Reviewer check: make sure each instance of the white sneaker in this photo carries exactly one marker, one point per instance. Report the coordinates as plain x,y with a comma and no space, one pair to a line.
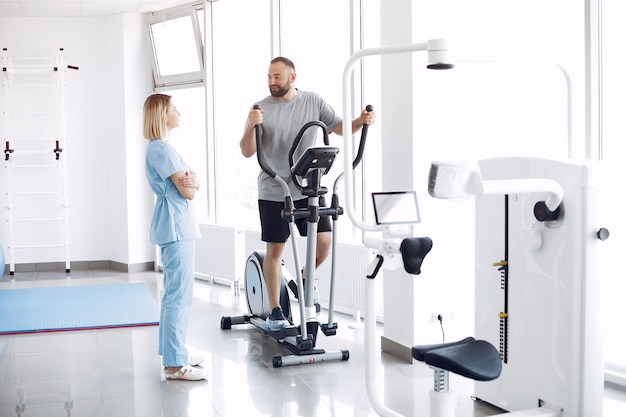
187,373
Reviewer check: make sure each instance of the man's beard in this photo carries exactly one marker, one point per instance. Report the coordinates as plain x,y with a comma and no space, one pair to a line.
281,91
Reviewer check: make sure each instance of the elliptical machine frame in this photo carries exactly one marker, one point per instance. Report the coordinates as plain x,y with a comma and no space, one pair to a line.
306,174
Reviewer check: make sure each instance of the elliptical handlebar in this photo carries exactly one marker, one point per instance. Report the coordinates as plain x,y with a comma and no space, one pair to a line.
298,139
260,157
269,171
359,154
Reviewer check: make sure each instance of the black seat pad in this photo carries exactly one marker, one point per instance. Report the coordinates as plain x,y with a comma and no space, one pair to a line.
420,351
474,359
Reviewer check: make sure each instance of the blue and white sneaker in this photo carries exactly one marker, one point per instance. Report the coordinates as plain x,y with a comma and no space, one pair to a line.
276,320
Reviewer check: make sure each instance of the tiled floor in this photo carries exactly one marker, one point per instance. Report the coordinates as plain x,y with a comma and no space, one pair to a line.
117,372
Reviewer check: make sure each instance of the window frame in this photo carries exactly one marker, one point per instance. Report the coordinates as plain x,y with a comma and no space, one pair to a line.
176,80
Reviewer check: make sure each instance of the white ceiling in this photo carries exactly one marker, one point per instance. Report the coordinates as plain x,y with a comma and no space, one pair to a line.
81,8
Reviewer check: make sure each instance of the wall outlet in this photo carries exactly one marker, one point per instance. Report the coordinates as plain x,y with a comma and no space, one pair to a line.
446,317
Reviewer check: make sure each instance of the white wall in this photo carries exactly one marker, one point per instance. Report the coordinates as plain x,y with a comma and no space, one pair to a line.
110,207
139,199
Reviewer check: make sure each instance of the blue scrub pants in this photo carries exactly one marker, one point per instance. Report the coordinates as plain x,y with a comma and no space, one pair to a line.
178,264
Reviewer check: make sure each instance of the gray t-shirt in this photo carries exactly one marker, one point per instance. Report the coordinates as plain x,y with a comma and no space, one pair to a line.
282,122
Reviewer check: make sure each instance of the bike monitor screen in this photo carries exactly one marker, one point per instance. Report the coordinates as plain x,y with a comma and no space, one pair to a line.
396,207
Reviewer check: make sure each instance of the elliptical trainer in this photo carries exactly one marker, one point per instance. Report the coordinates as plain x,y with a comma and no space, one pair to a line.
306,174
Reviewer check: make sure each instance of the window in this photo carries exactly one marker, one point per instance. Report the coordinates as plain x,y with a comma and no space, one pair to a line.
189,139
241,52
177,44
320,56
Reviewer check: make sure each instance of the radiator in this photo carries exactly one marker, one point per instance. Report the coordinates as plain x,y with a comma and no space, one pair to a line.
220,254
222,251
351,267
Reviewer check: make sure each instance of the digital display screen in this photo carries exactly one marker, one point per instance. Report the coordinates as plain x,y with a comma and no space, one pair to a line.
396,207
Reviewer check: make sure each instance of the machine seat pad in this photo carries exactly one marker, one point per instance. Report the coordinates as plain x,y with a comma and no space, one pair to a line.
419,352
477,359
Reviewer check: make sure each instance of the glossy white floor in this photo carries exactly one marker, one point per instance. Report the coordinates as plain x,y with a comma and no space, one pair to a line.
117,372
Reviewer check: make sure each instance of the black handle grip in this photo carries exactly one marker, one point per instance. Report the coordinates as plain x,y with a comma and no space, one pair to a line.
257,128
258,132
359,154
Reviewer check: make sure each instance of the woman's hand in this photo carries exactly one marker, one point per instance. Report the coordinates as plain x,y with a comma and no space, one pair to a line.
189,180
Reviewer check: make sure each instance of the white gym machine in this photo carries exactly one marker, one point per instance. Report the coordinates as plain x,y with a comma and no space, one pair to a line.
536,231
537,293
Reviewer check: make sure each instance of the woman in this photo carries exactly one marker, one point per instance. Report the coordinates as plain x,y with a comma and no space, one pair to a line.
174,229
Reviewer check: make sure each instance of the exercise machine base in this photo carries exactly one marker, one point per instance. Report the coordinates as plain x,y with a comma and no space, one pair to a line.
303,350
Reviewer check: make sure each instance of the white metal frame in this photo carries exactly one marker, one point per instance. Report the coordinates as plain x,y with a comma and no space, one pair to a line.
588,387
191,78
52,71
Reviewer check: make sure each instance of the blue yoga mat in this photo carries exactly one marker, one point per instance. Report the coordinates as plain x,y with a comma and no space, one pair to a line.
31,310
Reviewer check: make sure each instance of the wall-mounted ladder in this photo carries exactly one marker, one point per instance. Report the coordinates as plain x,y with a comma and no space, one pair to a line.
33,129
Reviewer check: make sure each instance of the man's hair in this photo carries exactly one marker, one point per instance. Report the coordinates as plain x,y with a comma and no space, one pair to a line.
288,62
154,109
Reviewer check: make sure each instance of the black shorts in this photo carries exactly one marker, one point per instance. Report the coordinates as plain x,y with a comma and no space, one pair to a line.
276,229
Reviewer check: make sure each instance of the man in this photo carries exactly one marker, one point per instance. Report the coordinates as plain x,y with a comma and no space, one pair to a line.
282,115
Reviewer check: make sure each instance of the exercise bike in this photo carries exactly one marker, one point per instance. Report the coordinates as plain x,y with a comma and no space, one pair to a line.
306,174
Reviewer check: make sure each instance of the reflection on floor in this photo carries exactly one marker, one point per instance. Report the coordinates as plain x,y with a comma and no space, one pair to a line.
117,372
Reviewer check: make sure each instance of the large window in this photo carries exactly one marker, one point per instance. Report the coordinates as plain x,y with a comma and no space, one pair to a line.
189,138
319,46
241,52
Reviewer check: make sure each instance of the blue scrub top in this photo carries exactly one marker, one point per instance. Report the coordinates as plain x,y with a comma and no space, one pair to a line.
173,217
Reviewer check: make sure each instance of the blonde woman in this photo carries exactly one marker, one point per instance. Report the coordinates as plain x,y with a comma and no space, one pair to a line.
174,229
